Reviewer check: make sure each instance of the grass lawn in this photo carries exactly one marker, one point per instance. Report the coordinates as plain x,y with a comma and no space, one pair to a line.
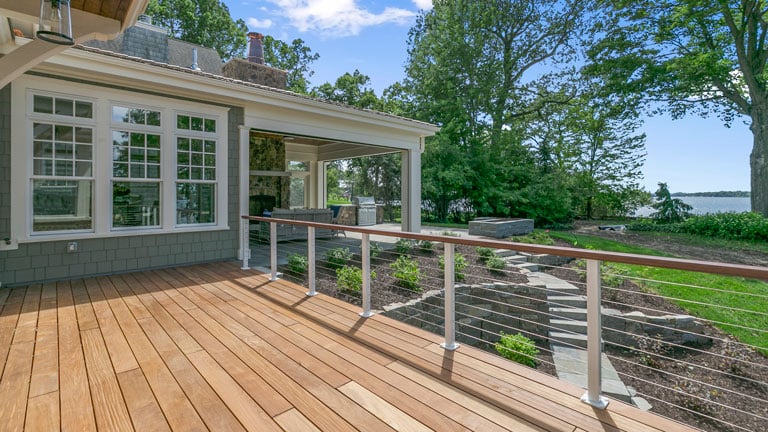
735,305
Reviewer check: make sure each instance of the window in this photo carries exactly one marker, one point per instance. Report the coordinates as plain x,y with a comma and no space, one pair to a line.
62,165
196,161
136,164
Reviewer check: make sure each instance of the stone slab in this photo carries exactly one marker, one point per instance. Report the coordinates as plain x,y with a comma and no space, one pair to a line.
500,227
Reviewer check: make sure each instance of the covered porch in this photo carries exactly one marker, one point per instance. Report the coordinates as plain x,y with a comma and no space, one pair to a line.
212,347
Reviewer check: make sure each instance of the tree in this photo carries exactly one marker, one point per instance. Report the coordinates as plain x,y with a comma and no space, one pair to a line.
470,70
351,89
202,22
700,56
294,58
668,209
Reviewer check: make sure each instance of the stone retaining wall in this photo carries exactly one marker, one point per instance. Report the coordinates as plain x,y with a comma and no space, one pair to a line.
624,328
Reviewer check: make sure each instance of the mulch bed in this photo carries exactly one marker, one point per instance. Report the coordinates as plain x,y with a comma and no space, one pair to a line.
735,381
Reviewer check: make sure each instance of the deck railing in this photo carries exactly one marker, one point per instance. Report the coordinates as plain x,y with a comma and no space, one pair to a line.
657,335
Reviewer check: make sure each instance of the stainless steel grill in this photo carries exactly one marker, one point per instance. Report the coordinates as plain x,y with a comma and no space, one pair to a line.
366,210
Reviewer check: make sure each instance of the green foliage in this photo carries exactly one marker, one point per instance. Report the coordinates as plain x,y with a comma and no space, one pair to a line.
350,279
337,257
404,246
485,253
425,245
668,209
517,348
728,226
297,263
536,237
202,22
375,249
459,264
294,58
496,262
407,273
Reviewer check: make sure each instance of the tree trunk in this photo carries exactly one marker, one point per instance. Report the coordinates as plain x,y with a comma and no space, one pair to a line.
758,162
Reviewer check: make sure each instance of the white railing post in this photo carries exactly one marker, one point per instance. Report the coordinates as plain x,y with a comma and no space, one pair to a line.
366,257
450,300
594,338
311,261
273,250
245,246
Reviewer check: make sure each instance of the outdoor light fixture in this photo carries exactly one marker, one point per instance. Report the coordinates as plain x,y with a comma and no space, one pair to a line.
55,22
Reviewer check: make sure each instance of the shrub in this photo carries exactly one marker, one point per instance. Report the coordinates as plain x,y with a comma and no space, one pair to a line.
485,253
337,257
459,264
425,245
297,263
407,273
536,237
496,263
404,246
517,348
350,279
376,249
450,234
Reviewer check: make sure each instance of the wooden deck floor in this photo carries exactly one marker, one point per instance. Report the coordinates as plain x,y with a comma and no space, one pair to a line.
215,348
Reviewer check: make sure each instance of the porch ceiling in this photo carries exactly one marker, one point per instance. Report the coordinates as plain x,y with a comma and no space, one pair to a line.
306,148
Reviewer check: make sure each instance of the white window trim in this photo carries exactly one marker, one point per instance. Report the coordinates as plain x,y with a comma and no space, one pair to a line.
103,99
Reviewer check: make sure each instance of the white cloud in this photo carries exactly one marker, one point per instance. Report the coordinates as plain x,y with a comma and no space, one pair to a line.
423,4
258,24
337,18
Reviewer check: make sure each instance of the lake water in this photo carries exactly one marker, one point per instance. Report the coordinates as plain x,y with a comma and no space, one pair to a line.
703,205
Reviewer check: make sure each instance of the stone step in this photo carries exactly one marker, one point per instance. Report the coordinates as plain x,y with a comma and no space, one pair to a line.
516,258
505,252
568,339
576,301
571,366
579,314
531,267
568,325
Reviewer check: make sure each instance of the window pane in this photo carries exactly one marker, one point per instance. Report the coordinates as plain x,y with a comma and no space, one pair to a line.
137,154
153,171
197,145
210,160
153,141
43,167
210,125
210,174
83,109
120,170
64,168
183,158
63,151
120,114
210,146
297,192
83,152
195,203
182,122
137,140
64,133
153,156
43,131
183,173
197,159
120,154
43,149
84,135
196,173
183,144
65,107
137,170
153,118
61,205
83,169
135,204
120,138
197,124
138,116
43,104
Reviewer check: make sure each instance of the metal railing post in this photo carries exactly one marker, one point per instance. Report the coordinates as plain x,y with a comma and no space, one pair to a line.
311,261
450,300
366,257
245,250
273,250
594,338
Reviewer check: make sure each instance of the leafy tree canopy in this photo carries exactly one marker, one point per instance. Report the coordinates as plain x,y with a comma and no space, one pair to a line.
203,22
294,58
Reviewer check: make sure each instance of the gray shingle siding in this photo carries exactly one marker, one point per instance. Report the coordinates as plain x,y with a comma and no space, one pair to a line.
46,261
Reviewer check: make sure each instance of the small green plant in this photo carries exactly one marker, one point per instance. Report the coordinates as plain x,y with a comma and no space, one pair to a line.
536,237
297,263
650,351
337,257
485,253
407,273
517,348
450,234
425,245
404,246
459,264
496,263
350,279
376,249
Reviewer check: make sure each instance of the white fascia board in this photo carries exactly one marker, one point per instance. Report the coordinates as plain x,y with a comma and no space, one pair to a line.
118,71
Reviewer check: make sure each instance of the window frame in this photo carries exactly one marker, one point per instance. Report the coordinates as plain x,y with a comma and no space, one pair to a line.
102,100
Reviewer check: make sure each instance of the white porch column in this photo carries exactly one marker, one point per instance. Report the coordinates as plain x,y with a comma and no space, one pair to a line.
244,189
410,198
318,175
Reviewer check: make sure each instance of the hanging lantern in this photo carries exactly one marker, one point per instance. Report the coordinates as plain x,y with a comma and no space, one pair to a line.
55,22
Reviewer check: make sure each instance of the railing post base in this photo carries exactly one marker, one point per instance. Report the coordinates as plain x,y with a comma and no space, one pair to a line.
452,347
366,314
601,402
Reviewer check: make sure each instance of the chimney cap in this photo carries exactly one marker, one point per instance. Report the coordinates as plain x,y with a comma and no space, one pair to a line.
255,35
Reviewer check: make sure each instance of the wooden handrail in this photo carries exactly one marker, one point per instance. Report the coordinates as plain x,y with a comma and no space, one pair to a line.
747,271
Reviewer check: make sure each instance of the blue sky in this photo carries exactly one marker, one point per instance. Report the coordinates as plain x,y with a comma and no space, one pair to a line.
690,155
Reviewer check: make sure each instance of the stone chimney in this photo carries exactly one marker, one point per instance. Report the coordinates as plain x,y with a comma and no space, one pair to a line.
255,48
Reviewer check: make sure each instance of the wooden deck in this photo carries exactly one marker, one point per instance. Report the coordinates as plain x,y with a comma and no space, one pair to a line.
215,348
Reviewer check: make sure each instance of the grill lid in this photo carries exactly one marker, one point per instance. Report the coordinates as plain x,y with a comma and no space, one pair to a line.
361,201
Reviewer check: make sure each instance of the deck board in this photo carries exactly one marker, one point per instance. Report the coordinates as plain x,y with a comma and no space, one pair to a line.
212,347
